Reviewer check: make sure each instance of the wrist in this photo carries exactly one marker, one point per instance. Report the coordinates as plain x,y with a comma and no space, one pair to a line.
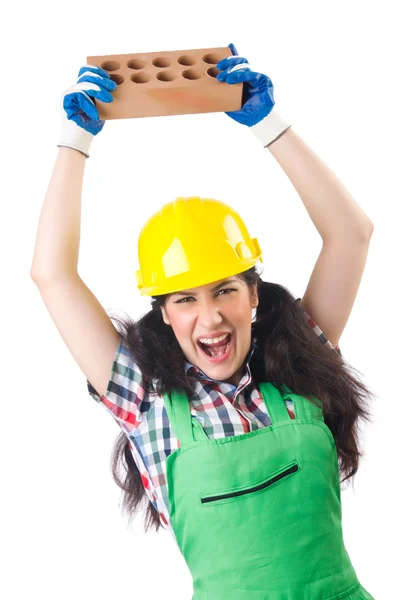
70,148
270,128
75,137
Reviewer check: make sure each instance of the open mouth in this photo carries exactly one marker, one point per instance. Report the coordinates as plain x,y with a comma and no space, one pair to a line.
218,354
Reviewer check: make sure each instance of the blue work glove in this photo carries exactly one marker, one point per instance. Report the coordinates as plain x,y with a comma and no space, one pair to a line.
257,109
79,115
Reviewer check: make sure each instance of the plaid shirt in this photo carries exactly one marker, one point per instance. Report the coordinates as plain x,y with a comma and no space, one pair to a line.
222,409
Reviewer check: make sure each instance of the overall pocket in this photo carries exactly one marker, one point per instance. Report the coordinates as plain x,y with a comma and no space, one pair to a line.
293,468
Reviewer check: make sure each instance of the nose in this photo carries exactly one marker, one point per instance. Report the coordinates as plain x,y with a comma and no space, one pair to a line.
208,315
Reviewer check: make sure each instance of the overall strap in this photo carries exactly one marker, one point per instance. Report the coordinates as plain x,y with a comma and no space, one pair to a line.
303,408
274,402
186,428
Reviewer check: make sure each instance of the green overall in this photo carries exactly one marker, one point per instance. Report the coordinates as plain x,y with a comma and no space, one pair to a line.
258,516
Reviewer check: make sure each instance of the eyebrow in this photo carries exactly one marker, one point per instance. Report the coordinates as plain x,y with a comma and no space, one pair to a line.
186,293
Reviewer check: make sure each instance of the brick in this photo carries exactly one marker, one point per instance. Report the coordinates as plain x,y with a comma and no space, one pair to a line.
167,83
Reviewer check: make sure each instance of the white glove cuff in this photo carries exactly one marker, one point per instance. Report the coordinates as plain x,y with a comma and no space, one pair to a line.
73,136
270,128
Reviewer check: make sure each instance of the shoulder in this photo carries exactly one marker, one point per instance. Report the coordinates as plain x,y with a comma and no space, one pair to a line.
320,334
128,395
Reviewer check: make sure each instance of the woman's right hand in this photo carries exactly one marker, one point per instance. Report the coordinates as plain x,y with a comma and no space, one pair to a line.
79,115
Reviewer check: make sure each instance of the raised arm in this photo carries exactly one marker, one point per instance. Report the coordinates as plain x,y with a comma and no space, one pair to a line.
82,322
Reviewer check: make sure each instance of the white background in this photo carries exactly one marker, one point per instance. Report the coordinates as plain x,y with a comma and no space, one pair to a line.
332,66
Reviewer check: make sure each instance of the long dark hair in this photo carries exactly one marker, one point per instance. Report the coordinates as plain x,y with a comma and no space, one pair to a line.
287,351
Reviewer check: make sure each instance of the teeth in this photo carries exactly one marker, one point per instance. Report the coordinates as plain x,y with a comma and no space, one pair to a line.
209,341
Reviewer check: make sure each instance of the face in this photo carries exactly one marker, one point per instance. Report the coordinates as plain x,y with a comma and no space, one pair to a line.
204,312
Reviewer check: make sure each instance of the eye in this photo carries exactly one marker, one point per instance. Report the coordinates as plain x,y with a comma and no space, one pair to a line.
182,301
227,290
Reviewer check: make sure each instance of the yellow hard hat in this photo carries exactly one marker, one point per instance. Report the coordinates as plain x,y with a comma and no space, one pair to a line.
191,242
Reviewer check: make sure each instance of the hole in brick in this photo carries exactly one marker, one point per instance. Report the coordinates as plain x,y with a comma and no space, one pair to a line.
136,63
110,65
212,58
165,76
186,60
192,74
140,78
161,62
213,72
119,79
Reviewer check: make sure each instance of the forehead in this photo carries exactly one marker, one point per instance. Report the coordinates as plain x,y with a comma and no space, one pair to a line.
208,287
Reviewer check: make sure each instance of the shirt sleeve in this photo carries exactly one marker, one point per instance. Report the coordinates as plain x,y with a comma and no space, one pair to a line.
125,396
320,334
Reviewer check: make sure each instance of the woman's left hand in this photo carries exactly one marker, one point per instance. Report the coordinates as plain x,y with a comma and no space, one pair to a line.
257,101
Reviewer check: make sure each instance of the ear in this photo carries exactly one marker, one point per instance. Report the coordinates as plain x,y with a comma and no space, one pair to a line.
165,316
255,299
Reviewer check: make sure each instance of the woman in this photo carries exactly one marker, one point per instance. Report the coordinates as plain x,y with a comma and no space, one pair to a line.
237,449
